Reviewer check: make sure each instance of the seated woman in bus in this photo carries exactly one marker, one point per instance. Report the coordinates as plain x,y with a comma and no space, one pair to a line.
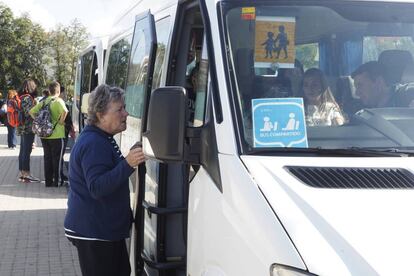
321,109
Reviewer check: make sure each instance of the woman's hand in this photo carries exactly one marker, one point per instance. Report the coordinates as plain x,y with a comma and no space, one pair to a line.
135,157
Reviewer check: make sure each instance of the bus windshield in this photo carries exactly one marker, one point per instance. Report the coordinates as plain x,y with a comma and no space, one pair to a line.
321,76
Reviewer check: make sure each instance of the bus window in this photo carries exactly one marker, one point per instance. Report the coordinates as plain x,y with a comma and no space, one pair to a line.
118,63
163,33
87,60
269,42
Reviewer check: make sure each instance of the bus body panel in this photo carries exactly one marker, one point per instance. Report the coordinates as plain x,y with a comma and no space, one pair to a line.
225,128
350,229
236,227
264,215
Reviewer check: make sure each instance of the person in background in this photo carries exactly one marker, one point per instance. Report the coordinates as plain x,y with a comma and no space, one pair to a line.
11,130
35,95
24,130
3,110
99,216
69,131
374,91
321,108
45,94
53,145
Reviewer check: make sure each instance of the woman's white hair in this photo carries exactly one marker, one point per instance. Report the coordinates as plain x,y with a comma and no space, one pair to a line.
100,99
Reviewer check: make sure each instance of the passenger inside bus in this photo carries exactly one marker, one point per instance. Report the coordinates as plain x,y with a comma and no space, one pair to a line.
193,62
321,108
375,92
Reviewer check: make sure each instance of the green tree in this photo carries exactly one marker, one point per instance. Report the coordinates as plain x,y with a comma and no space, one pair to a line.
27,50
6,42
66,42
308,55
30,47
23,46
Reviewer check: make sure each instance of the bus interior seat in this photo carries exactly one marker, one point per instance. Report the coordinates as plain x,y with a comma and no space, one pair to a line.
346,97
394,62
408,74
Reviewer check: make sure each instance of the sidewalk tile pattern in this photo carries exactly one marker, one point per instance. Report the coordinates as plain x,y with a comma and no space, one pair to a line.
32,240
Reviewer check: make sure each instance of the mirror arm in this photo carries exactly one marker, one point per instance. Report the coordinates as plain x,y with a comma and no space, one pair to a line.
192,146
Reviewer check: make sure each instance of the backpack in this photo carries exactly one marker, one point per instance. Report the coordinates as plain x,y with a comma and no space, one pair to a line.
42,123
14,112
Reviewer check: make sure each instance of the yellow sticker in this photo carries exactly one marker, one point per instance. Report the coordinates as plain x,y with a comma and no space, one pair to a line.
248,13
275,41
248,10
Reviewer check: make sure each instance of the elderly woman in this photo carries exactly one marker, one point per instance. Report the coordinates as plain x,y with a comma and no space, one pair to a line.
99,217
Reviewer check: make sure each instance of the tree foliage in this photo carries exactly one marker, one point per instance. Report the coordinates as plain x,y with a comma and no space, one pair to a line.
7,46
23,46
30,44
28,51
308,55
66,42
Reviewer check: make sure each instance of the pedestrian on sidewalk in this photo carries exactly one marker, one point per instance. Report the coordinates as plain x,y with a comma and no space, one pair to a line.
53,146
11,130
99,216
24,130
3,110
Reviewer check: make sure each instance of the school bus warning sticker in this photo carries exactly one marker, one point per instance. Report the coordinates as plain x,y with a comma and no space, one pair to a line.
274,42
279,122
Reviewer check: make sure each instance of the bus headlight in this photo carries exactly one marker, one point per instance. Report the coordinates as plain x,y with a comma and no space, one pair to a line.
283,270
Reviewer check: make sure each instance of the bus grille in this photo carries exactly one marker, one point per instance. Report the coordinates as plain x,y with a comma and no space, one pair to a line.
354,178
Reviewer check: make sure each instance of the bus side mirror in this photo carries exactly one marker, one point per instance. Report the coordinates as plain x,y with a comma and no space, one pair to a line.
164,138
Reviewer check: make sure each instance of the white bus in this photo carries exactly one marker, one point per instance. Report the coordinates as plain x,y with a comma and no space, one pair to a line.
242,178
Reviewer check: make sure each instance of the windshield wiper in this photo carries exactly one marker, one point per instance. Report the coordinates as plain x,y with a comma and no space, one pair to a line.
401,151
354,151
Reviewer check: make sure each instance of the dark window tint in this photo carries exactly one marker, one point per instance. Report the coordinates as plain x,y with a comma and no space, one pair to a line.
118,63
136,76
138,69
163,30
87,60
78,81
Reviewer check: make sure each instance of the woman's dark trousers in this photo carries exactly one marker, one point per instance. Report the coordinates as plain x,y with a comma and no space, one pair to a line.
26,143
11,136
52,154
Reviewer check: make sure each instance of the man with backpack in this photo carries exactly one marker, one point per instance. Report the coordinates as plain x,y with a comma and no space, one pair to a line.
49,124
24,129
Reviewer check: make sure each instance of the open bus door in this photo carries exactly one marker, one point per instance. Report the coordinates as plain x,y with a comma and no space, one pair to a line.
87,79
138,89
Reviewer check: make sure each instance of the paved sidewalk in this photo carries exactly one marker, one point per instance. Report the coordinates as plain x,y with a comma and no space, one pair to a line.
32,240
